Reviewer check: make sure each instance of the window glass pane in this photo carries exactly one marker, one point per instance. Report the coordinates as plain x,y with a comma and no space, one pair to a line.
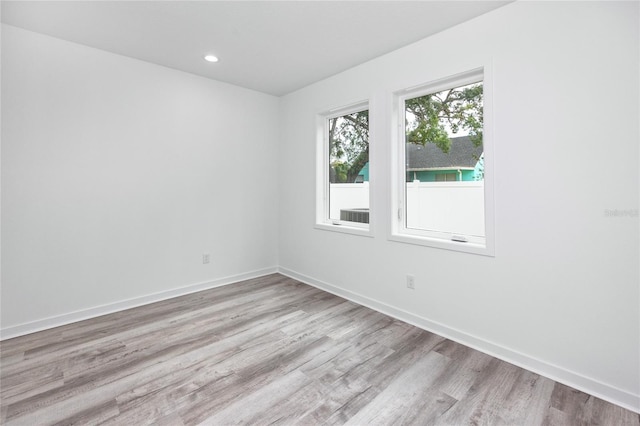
349,167
444,189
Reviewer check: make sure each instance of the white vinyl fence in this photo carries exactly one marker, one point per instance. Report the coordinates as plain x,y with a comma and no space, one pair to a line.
456,207
347,196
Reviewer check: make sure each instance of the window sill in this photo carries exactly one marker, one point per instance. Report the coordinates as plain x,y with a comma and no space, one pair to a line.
345,229
472,248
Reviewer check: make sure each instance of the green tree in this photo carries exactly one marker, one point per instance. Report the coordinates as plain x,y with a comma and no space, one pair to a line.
430,118
348,145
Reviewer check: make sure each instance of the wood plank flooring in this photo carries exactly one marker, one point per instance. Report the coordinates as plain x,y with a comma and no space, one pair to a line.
272,351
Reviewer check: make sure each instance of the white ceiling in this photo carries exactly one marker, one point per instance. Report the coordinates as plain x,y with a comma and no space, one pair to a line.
274,47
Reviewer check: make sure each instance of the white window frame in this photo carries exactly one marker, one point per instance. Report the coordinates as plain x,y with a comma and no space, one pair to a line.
323,221
399,231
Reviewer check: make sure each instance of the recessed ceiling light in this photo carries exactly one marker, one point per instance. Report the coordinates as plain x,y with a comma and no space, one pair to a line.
211,58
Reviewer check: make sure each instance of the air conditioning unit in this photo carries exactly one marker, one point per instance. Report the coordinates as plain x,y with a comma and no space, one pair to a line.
355,215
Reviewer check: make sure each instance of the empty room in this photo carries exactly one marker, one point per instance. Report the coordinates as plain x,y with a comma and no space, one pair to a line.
320,213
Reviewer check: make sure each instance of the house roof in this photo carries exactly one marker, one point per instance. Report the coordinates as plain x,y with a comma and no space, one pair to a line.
463,154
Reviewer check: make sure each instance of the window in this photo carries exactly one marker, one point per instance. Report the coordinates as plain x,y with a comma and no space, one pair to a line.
343,169
441,171
446,177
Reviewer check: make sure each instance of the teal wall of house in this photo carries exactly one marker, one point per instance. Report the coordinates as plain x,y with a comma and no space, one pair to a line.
425,176
364,173
430,176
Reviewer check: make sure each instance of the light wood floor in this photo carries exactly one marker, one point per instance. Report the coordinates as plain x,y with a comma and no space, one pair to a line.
272,351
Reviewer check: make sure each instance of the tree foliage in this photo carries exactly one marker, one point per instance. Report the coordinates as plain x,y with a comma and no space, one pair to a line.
348,145
430,118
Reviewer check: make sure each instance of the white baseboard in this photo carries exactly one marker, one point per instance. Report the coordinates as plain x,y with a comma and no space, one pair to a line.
83,314
559,374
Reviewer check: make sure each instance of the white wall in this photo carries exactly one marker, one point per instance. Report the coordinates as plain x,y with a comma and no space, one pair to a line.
561,294
111,170
115,180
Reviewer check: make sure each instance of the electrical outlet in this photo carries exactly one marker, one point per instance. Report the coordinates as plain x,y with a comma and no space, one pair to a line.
411,282
206,258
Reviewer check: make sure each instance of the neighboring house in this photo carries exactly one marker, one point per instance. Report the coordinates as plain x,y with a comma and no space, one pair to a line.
428,163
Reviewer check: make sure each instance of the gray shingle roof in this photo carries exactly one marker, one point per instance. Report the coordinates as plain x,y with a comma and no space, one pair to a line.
462,154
